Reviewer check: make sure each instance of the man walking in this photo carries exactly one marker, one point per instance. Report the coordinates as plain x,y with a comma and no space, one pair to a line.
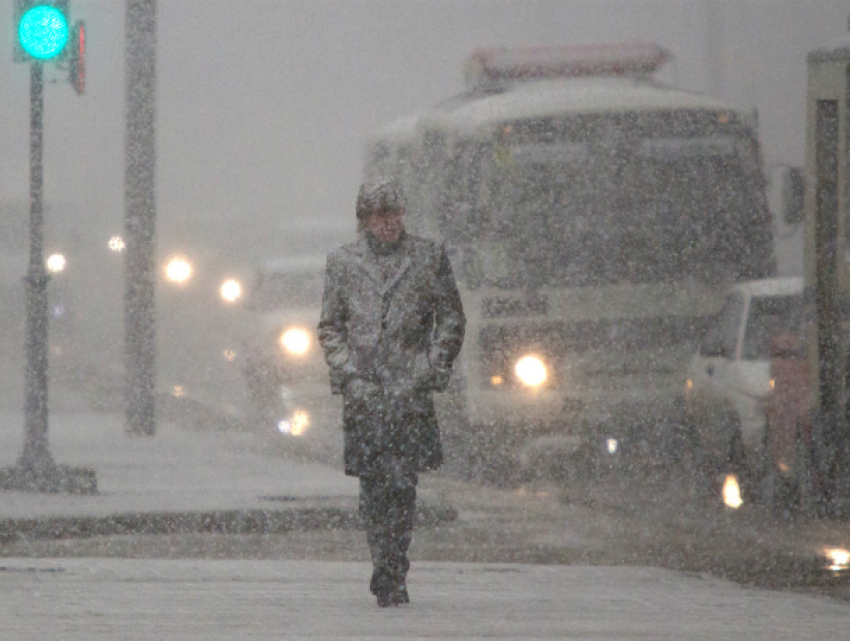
392,324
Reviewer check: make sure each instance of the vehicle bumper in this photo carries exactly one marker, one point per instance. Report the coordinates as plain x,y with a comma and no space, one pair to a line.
650,422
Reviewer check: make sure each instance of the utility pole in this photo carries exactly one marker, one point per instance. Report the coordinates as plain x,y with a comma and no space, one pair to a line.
140,220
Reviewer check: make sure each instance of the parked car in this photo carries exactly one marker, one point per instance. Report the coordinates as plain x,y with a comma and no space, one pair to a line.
729,378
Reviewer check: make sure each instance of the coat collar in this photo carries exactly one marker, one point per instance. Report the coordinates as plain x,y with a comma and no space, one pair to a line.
370,266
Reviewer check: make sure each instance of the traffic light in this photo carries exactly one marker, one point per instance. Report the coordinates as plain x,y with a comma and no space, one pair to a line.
42,30
77,64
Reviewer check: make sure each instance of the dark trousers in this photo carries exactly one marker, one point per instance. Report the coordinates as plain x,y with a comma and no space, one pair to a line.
387,506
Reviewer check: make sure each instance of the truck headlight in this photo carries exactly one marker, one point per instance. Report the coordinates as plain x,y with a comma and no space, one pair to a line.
531,371
296,341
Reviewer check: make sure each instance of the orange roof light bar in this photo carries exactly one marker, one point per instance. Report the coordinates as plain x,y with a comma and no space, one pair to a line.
528,63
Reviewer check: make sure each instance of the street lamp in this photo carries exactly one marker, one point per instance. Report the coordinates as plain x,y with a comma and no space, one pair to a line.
116,244
56,263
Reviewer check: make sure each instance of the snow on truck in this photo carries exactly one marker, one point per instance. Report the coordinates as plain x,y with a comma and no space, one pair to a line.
595,220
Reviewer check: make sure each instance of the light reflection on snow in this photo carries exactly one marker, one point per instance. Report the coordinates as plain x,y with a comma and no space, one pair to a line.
296,425
732,492
839,559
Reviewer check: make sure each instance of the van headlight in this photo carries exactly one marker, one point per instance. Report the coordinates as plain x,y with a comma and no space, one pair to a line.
230,290
296,341
531,371
296,424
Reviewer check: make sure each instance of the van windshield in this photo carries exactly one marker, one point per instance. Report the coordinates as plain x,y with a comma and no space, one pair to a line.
768,317
274,291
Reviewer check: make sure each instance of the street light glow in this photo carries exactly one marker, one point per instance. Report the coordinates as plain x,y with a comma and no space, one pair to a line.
178,270
55,263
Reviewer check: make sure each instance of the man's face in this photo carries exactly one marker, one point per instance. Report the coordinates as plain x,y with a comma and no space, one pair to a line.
386,225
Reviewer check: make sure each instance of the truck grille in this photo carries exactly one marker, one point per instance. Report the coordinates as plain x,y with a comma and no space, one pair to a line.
502,345
581,336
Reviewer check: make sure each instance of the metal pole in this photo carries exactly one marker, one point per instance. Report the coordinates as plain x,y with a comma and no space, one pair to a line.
140,218
36,461
714,47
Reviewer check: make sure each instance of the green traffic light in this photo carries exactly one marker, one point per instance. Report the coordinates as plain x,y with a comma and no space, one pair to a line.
43,32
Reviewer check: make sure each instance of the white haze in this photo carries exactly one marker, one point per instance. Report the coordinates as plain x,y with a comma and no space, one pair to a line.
263,107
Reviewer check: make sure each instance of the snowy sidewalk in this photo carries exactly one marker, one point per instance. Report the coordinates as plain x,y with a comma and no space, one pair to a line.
177,469
98,599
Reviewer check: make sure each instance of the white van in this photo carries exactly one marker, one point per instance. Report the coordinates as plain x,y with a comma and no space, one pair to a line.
729,377
285,373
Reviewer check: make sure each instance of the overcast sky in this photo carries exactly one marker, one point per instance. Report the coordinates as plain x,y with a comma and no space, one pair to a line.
263,105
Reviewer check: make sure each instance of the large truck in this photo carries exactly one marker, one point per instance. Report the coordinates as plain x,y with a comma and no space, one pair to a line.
595,219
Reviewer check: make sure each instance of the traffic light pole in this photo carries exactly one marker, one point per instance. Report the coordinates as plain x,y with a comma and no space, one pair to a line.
36,460
42,35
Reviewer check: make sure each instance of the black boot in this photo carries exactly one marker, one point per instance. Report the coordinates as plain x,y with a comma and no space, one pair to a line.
377,578
399,596
398,565
385,588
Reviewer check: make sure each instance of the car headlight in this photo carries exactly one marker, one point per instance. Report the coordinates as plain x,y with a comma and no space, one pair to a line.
296,341
531,371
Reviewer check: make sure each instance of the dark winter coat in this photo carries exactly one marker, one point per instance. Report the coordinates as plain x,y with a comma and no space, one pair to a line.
390,344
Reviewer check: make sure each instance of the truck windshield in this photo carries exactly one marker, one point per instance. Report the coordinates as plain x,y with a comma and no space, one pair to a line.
659,212
642,198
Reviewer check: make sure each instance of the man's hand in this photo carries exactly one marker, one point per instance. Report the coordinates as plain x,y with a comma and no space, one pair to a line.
362,389
418,379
